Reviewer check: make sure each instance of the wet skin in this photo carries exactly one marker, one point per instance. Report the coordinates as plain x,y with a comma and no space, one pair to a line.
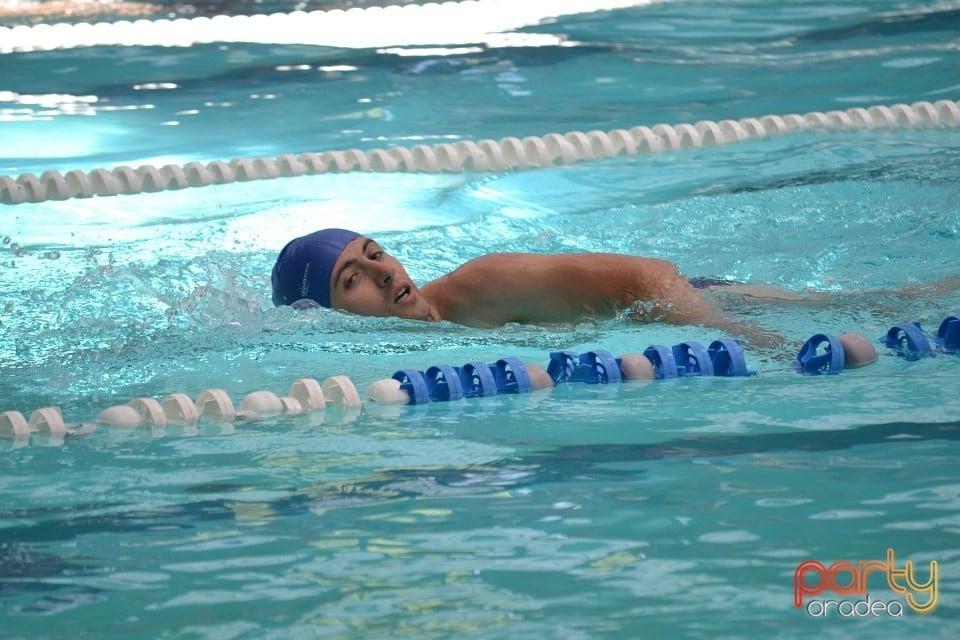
495,289
500,288
370,282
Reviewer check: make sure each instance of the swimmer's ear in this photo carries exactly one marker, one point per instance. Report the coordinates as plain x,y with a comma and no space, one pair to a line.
305,303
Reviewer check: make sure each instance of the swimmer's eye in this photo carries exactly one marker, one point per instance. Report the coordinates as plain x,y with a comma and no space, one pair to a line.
376,255
350,281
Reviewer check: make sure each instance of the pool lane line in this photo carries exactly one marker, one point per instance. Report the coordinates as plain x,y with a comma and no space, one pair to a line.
426,25
506,154
821,354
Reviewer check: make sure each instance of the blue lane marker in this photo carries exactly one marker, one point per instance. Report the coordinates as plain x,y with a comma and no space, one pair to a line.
692,359
948,335
821,354
443,383
728,359
476,379
511,376
664,364
597,367
812,361
413,382
563,365
592,367
908,341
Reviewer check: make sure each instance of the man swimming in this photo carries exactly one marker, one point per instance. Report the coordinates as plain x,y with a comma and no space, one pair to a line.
341,269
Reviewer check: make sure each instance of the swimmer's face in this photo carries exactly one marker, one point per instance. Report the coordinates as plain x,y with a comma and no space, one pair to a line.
370,282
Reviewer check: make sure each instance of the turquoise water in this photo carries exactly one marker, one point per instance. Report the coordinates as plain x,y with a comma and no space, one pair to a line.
671,509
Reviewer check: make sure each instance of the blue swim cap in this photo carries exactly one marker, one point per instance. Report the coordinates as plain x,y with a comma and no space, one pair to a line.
304,266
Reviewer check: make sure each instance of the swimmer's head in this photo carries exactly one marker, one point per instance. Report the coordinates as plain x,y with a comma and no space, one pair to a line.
304,268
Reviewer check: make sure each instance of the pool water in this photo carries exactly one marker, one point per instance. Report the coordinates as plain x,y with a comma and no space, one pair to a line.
676,508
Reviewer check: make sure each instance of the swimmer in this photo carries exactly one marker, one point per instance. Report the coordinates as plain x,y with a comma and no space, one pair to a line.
341,269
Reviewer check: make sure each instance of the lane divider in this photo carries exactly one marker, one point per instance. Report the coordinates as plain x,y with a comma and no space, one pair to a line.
431,24
509,153
822,354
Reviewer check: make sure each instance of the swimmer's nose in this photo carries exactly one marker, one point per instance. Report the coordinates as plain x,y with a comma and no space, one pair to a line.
384,275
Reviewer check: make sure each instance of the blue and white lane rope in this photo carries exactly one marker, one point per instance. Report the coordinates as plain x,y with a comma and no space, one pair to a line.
825,354
821,354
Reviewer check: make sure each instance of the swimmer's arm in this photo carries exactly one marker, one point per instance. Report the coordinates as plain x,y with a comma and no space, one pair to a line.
500,288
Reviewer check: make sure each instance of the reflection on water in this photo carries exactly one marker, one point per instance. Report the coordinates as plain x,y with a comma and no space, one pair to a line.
593,462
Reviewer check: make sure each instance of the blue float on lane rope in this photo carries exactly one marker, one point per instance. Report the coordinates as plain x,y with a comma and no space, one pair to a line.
661,357
948,335
592,367
692,359
908,341
511,376
413,382
476,379
562,366
443,383
728,358
812,361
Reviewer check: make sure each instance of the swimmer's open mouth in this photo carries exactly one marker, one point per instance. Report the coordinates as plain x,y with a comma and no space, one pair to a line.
402,295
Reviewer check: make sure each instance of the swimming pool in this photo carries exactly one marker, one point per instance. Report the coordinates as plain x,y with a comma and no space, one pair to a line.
678,508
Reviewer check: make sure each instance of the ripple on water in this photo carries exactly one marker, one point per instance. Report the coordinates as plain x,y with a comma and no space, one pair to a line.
845,514
729,537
